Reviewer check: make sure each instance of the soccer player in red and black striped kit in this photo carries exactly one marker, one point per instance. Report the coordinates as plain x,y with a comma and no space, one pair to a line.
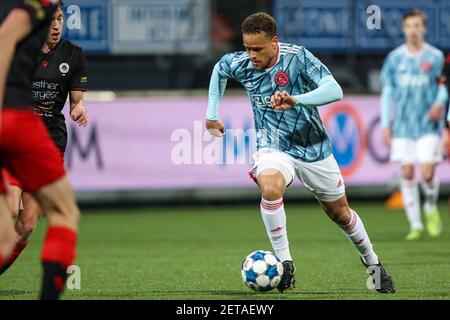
62,71
26,149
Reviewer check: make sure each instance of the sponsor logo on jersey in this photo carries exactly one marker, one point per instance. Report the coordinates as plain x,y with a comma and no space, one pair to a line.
64,68
45,64
347,133
261,101
281,79
45,90
402,67
409,80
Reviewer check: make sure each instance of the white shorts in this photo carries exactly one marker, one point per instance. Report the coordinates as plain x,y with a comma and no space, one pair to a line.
323,178
426,149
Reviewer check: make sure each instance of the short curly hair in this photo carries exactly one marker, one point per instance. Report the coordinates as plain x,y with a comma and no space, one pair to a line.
260,22
415,13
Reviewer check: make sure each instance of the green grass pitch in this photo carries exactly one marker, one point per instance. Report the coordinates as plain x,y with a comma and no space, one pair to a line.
196,253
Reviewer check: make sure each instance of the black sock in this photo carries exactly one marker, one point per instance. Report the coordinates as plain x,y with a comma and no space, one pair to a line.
53,281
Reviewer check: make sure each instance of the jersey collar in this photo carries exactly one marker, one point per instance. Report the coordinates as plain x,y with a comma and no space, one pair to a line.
417,54
51,51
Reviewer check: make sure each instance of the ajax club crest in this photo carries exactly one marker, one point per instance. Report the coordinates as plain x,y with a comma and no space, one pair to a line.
281,79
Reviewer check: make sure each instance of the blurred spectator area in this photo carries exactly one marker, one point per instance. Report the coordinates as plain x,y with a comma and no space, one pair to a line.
356,70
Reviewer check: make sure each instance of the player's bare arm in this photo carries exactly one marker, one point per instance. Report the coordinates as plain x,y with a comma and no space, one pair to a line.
387,135
446,138
436,112
78,111
15,27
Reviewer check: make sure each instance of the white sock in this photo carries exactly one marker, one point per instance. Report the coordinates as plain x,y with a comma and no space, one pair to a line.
431,191
357,235
274,219
411,199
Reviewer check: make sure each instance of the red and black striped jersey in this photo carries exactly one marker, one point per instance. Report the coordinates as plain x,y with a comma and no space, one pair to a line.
23,66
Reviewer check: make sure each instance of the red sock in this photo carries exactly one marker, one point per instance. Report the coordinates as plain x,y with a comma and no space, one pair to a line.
59,246
16,252
57,254
14,255
1,260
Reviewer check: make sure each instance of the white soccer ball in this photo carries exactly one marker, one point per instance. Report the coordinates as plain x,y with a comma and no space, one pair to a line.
261,271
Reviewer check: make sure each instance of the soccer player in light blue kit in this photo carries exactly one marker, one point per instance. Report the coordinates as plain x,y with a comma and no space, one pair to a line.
411,80
285,84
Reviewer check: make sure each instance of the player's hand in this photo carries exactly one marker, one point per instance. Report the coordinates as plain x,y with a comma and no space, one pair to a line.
387,136
79,115
215,128
446,139
435,113
282,100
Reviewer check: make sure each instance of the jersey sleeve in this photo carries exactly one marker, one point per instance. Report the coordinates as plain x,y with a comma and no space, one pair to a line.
328,91
40,11
226,68
387,73
311,67
387,85
446,74
438,66
79,79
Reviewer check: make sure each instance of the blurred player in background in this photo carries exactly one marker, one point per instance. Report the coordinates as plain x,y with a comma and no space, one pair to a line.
411,79
26,149
285,84
61,70
447,129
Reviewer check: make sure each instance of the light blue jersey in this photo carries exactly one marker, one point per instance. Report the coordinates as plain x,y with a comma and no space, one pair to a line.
411,83
297,131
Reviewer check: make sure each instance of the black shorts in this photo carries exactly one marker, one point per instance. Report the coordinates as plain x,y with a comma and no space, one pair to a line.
59,137
58,132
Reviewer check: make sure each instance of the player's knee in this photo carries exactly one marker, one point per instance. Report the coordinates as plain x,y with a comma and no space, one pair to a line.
427,176
75,215
72,212
339,214
58,199
68,209
272,186
271,192
408,174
